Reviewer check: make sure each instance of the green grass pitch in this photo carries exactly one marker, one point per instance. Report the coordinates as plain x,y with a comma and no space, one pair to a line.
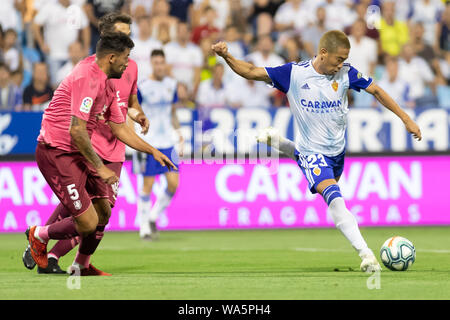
250,264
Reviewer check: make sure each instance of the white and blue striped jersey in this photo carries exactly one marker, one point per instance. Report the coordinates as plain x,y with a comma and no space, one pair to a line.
156,99
319,103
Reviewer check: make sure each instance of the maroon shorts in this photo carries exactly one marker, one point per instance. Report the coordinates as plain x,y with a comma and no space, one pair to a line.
66,173
99,189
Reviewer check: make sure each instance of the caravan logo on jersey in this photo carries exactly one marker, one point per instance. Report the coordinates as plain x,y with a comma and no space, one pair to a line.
320,106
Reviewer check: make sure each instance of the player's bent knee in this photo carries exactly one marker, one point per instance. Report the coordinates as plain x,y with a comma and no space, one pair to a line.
87,222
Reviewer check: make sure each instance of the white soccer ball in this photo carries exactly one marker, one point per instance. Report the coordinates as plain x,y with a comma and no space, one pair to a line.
398,253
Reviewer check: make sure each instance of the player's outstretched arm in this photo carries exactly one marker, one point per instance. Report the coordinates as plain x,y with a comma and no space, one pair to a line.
242,68
131,139
81,139
136,113
390,104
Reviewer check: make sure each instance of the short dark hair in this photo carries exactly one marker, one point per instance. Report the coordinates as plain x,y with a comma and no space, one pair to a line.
334,39
113,42
107,22
157,52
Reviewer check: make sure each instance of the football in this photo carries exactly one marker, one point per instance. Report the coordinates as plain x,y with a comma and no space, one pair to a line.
398,253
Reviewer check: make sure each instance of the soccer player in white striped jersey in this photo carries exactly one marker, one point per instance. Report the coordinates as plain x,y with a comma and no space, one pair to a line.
157,96
317,94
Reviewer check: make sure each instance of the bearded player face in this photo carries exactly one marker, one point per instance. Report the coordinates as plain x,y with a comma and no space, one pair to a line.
118,64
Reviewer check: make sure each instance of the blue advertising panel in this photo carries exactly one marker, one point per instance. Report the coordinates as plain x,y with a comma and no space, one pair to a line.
232,131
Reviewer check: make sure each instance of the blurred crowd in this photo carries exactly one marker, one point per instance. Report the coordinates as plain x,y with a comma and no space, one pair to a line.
404,45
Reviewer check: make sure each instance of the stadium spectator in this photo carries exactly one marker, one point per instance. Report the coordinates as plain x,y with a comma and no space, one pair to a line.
11,54
144,44
404,9
393,33
239,12
428,13
141,7
361,11
185,59
292,15
94,10
160,19
291,49
181,9
163,34
339,15
221,8
444,63
214,93
10,14
207,28
416,72
209,59
76,53
17,79
396,87
265,56
262,8
184,99
60,30
312,33
259,92
442,41
10,94
264,25
364,53
38,94
234,39
425,50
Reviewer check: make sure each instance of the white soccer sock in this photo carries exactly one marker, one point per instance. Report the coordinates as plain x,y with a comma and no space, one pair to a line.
143,206
347,224
287,147
161,204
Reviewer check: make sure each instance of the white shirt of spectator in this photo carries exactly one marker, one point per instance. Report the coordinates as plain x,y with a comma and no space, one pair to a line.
287,14
222,8
259,60
428,14
247,95
61,27
210,97
9,16
416,73
141,54
399,89
403,9
183,61
338,16
12,59
147,4
362,54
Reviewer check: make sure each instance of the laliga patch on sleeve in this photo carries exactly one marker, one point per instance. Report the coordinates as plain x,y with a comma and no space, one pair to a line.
86,105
